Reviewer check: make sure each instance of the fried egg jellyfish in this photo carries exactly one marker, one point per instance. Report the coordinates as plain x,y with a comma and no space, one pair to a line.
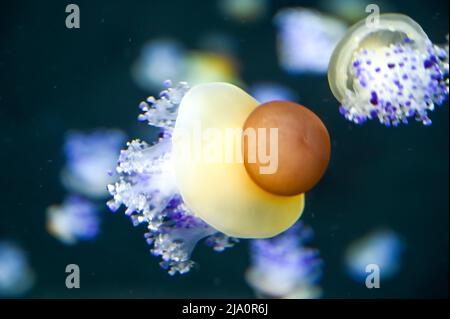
76,219
388,71
306,39
16,275
283,267
183,200
90,159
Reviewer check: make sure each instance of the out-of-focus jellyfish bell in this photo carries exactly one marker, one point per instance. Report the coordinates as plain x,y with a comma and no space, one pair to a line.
16,275
382,248
159,60
282,267
91,157
206,66
163,59
75,220
247,10
306,39
388,71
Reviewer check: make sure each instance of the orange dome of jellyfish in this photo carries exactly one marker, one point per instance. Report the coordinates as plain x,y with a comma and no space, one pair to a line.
303,147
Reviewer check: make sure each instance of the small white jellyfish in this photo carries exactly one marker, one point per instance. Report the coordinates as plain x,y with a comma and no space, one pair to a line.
306,39
16,275
76,219
382,248
283,267
388,71
266,92
90,159
159,60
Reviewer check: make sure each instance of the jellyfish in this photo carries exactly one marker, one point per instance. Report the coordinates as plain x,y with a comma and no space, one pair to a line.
163,59
159,59
76,219
267,92
209,66
244,10
389,71
306,39
91,157
283,267
382,247
184,192
16,275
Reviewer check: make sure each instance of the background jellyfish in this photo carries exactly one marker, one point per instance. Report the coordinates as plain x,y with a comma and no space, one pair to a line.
16,275
282,267
159,60
244,10
90,159
382,247
147,189
392,74
163,59
306,39
266,92
76,219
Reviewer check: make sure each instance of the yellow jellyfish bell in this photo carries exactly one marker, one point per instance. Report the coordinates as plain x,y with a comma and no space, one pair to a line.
209,169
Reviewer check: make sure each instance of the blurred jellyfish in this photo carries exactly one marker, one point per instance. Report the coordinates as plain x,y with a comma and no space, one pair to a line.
282,267
146,187
249,10
160,59
306,39
16,275
265,92
388,71
383,248
91,157
76,219
167,59
204,67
